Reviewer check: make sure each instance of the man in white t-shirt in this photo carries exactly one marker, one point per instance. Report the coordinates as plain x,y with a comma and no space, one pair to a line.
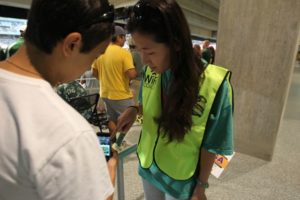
47,149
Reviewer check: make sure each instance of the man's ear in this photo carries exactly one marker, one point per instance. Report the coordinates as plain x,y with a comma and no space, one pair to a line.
71,44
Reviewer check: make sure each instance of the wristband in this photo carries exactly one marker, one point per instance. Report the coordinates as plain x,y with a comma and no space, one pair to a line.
136,107
118,144
204,185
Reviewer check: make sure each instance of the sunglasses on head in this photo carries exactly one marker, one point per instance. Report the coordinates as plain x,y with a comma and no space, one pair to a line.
142,11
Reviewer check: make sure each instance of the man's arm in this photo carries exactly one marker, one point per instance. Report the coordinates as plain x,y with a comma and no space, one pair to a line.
129,67
131,73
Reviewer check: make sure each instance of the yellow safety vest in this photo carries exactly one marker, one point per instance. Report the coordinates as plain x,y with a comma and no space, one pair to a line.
176,159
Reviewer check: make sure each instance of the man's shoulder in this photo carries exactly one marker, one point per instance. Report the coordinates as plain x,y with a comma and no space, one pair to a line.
52,122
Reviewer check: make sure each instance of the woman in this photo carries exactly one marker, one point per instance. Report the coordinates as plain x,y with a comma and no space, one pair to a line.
187,110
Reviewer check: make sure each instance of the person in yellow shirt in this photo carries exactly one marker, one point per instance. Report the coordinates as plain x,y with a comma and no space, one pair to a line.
115,69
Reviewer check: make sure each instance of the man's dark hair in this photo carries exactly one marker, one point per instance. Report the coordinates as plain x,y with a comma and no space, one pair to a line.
114,38
50,21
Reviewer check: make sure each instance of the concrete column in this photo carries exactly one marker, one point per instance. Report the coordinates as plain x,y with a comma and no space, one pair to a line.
258,40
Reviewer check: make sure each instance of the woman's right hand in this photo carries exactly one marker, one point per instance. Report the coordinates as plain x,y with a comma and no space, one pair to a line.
126,119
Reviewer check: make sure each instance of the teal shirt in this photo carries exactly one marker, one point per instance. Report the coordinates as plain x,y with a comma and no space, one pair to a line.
218,138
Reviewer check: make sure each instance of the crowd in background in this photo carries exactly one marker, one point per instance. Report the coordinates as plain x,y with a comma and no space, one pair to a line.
206,53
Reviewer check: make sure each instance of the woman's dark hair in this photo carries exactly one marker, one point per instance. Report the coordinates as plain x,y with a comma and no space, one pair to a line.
50,21
165,21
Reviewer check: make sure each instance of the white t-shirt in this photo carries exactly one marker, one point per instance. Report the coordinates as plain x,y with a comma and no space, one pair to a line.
47,150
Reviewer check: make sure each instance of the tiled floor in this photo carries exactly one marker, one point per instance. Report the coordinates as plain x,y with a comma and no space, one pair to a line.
248,178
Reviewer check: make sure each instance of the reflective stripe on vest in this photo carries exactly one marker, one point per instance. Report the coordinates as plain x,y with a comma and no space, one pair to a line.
176,159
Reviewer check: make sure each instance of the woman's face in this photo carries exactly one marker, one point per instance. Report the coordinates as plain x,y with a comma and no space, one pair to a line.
155,55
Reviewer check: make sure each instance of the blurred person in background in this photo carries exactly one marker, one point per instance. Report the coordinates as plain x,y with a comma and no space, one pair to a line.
13,48
206,53
212,51
114,69
198,53
71,90
197,50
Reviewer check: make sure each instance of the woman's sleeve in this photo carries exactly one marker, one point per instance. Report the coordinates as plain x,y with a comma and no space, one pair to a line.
218,137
